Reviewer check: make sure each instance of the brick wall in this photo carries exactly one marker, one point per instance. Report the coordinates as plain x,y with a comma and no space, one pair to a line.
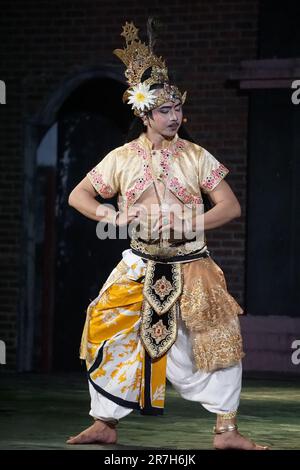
44,41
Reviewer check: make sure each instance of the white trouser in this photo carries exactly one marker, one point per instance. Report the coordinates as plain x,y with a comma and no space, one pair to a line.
218,391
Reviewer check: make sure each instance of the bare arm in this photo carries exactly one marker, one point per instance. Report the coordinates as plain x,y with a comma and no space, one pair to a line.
82,198
226,206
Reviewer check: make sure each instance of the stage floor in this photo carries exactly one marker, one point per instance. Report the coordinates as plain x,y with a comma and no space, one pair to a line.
42,411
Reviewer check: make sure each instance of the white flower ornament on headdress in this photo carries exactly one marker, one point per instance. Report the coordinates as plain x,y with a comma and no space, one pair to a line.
141,97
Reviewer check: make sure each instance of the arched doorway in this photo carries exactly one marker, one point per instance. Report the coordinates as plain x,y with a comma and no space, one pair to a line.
91,122
64,262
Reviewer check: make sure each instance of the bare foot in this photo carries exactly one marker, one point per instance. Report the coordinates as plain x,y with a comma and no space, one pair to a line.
98,433
235,440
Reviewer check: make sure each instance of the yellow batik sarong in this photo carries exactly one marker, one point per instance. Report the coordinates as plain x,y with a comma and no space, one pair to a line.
117,364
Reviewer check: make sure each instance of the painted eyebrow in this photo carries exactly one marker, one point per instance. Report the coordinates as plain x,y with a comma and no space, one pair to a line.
169,107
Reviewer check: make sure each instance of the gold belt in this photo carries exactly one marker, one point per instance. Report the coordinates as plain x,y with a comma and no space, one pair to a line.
163,250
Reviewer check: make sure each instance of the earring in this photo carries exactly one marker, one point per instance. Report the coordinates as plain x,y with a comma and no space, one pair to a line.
184,119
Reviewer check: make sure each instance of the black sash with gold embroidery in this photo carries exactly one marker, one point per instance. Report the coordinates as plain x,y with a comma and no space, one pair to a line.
162,288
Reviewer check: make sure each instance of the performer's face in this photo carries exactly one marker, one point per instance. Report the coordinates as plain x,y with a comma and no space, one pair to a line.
166,119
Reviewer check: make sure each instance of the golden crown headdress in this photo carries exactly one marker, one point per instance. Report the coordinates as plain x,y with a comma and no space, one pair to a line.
138,57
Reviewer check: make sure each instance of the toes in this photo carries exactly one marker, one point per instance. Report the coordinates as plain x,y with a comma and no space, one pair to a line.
72,440
258,447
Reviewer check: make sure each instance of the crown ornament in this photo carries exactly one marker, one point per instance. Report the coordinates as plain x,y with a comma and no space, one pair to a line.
138,58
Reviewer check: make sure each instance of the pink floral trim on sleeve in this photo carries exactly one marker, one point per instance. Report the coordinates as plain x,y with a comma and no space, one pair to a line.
211,181
105,190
